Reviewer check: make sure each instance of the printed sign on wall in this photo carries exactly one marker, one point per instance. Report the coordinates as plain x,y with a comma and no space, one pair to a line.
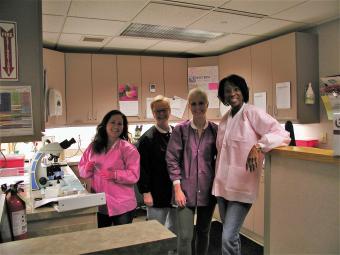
8,51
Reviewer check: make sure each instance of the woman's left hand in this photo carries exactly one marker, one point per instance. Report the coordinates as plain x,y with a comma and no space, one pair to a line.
107,174
253,159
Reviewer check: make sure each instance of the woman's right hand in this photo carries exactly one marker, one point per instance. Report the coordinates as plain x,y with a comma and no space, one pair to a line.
148,200
90,166
179,196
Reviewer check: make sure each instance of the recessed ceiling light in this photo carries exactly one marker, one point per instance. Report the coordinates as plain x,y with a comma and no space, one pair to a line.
170,33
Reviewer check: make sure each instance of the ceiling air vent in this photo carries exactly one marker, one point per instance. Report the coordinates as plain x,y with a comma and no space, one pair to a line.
93,39
170,33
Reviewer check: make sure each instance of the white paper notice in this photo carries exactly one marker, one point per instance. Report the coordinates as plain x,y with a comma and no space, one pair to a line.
129,108
283,95
260,100
178,105
149,114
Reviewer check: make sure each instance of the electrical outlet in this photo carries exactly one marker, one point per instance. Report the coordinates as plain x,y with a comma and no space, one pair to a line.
323,137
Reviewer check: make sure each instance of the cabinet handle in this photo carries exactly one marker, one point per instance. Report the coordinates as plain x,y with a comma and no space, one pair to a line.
275,110
95,115
88,115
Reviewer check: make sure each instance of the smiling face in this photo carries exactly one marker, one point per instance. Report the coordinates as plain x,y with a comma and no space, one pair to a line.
198,105
233,96
161,113
114,127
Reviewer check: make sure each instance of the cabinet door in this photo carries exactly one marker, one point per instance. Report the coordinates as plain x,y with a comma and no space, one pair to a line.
284,70
152,73
176,81
129,72
78,88
54,65
237,62
261,72
104,85
212,113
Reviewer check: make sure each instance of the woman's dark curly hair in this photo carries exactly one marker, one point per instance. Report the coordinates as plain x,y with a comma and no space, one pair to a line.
236,80
100,140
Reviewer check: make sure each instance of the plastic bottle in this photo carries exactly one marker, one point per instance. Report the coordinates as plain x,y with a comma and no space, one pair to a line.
309,97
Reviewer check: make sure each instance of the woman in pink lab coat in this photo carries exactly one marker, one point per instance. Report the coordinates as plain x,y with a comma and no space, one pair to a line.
244,134
112,164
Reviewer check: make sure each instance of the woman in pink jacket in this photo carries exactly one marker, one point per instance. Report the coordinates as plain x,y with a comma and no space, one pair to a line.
244,134
112,163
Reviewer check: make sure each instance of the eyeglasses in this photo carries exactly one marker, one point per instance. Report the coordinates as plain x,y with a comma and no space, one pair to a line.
200,103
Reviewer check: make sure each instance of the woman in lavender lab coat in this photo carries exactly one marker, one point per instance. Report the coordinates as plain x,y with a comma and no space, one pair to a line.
244,133
190,158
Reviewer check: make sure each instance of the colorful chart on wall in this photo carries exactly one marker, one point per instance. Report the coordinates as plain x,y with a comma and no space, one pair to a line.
8,51
16,116
206,78
128,99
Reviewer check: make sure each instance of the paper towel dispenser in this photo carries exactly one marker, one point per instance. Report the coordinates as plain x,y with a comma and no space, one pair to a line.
55,103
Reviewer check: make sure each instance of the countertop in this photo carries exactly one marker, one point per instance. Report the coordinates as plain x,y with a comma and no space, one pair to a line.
147,237
307,153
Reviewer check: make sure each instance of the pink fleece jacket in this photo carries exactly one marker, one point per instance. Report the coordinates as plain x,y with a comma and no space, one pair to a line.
122,160
235,138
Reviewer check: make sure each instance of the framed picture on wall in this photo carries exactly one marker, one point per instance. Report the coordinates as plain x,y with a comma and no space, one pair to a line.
8,51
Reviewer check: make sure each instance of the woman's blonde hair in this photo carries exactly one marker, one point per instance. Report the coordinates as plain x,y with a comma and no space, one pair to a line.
197,92
159,98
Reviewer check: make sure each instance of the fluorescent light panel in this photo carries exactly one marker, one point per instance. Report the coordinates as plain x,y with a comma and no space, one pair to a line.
170,33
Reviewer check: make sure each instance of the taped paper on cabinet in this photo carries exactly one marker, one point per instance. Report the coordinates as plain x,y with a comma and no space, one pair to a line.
283,95
260,100
178,105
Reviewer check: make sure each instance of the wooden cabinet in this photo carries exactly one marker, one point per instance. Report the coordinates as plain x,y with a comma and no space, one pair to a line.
212,113
129,72
295,60
54,67
104,85
91,87
261,72
237,62
176,81
152,73
78,88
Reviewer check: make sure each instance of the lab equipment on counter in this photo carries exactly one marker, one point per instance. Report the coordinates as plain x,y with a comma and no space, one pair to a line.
54,181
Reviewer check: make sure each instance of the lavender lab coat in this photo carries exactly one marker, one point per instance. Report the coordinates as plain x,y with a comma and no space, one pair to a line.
191,160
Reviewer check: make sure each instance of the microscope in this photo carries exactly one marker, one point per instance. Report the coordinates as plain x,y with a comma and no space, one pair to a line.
46,170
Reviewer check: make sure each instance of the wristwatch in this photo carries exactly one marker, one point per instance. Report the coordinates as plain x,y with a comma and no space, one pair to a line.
258,147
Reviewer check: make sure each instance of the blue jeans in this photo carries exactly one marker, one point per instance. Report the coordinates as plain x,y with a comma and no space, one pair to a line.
232,215
185,219
166,216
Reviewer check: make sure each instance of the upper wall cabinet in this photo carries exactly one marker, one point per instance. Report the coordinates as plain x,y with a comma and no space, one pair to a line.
129,73
176,81
91,87
237,62
78,88
152,81
295,60
54,66
104,85
261,72
212,113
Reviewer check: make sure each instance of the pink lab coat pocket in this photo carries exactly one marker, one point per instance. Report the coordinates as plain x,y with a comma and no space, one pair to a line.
240,180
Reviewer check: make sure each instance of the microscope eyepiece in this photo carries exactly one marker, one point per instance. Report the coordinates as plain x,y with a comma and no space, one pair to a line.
67,143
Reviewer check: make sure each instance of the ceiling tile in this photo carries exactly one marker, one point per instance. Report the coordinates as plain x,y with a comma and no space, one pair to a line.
75,41
168,15
55,7
50,39
222,44
172,46
92,26
223,22
266,7
130,43
313,11
270,26
122,10
52,23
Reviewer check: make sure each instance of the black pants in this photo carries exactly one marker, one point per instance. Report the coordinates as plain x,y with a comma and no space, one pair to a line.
107,221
